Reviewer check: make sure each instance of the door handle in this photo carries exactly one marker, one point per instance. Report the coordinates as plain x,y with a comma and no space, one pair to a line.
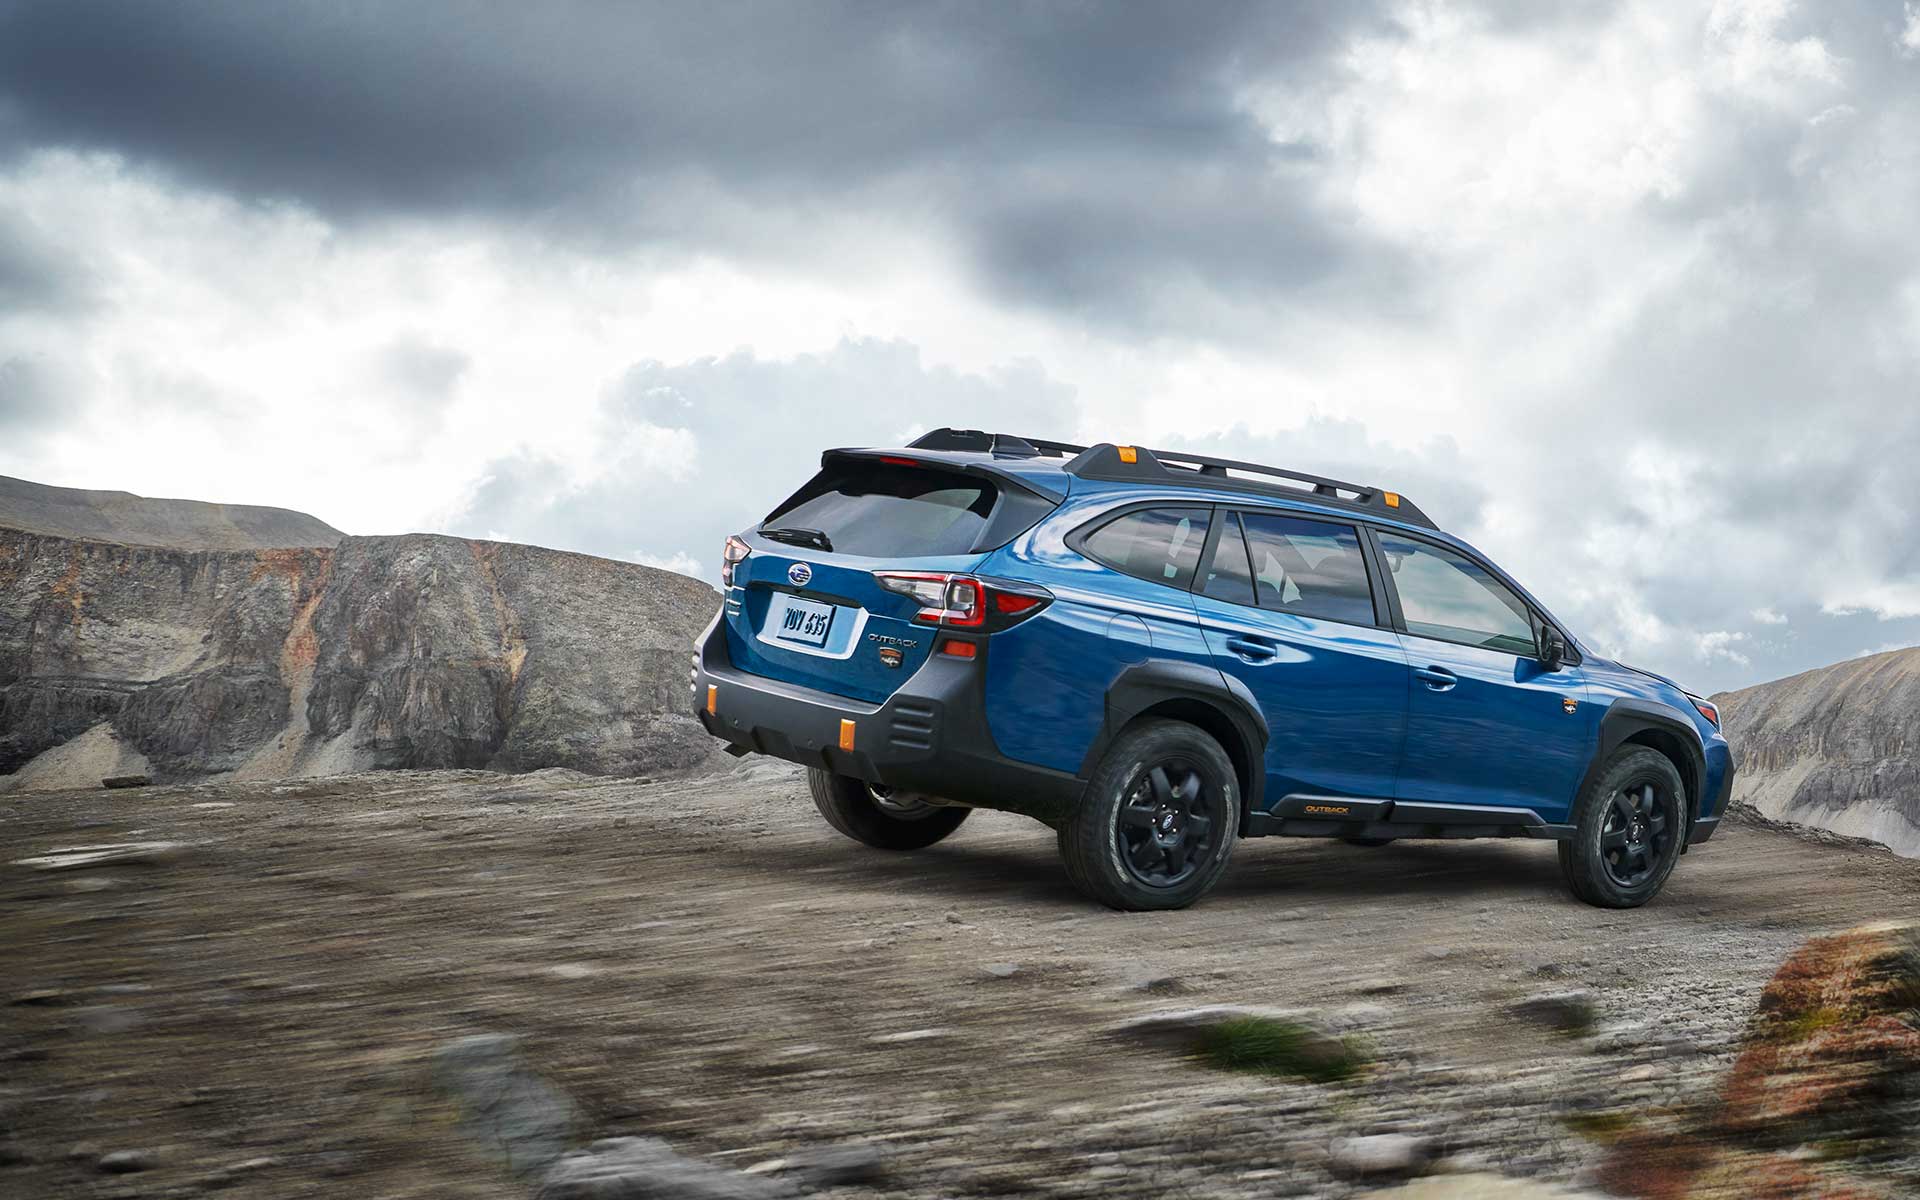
1437,679
1253,649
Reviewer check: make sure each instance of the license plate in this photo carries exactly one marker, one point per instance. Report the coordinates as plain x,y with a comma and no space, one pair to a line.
804,621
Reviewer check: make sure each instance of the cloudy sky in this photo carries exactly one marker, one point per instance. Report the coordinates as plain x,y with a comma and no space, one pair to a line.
1628,295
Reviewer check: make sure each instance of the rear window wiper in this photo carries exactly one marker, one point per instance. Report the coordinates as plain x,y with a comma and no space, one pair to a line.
797,536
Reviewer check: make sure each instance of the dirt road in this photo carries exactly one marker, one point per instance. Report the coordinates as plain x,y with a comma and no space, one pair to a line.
704,961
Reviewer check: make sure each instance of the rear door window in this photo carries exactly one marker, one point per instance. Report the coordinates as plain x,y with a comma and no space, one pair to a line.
1309,568
1159,544
1449,597
879,510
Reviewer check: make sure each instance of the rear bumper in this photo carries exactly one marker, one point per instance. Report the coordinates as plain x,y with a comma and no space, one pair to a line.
930,736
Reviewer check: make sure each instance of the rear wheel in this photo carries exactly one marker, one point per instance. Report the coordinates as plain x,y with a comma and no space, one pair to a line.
1628,827
881,816
1158,821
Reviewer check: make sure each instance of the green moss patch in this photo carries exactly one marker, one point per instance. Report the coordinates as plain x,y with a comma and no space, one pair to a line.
1270,1047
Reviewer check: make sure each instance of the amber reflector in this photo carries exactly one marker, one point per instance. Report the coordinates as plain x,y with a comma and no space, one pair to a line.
713,697
846,734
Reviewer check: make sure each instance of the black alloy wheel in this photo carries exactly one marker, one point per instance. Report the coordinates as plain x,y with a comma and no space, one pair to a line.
1166,827
1637,834
1156,824
1629,825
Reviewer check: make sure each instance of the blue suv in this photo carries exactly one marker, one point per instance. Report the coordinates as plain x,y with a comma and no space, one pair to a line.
1157,653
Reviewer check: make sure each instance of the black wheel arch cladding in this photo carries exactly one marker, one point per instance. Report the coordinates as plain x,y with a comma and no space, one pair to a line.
1199,695
1630,721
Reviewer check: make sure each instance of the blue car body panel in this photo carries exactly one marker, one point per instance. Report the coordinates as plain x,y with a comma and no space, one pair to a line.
1334,695
1499,734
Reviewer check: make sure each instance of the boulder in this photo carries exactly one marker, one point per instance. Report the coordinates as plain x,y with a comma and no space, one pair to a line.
633,1168
502,1103
1566,1012
1834,1047
1830,1056
1380,1156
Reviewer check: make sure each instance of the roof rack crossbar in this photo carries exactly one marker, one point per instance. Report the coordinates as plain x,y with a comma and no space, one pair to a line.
1223,467
1105,461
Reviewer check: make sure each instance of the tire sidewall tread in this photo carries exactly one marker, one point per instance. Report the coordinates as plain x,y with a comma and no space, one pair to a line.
849,808
1581,860
1089,841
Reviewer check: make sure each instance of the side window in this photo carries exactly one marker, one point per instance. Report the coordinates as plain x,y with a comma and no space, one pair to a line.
1228,578
1309,568
1450,597
1159,544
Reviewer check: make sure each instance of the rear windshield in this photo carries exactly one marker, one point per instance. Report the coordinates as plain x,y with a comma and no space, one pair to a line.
883,511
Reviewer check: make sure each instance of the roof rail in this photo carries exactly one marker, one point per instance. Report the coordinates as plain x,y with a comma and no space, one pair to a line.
1137,464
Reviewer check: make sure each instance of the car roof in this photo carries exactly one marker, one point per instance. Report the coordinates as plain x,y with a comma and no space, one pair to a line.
1054,467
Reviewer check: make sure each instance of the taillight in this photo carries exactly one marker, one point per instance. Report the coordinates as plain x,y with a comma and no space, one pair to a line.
1708,709
732,556
964,601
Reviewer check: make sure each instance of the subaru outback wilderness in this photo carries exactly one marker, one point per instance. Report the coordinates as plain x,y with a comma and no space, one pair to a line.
1157,653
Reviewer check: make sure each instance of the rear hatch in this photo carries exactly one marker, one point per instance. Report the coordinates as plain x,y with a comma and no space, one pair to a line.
806,614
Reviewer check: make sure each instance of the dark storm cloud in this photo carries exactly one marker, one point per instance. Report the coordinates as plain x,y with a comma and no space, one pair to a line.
1080,153
35,276
699,450
30,403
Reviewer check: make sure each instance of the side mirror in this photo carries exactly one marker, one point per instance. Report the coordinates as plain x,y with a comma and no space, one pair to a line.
1553,648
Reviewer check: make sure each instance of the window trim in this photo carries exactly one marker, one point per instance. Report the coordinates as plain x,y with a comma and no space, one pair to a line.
1239,512
1537,615
1076,540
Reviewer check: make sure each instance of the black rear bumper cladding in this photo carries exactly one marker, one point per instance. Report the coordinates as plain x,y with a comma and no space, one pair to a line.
930,736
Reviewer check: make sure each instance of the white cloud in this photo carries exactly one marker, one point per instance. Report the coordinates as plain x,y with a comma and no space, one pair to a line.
1768,616
1721,644
681,562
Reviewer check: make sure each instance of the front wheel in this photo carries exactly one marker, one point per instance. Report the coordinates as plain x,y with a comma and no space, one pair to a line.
881,816
1158,820
1628,827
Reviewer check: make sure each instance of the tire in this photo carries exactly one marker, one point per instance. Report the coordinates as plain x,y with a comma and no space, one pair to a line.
1629,825
879,817
1369,843
1158,820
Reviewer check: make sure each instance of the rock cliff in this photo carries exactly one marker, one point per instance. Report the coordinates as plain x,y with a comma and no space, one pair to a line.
410,651
139,521
1836,749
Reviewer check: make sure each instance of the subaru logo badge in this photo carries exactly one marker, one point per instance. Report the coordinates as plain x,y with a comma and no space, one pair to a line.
799,574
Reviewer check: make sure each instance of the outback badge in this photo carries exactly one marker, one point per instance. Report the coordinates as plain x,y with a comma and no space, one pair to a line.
1568,704
890,655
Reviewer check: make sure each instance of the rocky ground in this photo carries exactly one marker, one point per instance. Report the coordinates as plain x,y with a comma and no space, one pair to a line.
275,1007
